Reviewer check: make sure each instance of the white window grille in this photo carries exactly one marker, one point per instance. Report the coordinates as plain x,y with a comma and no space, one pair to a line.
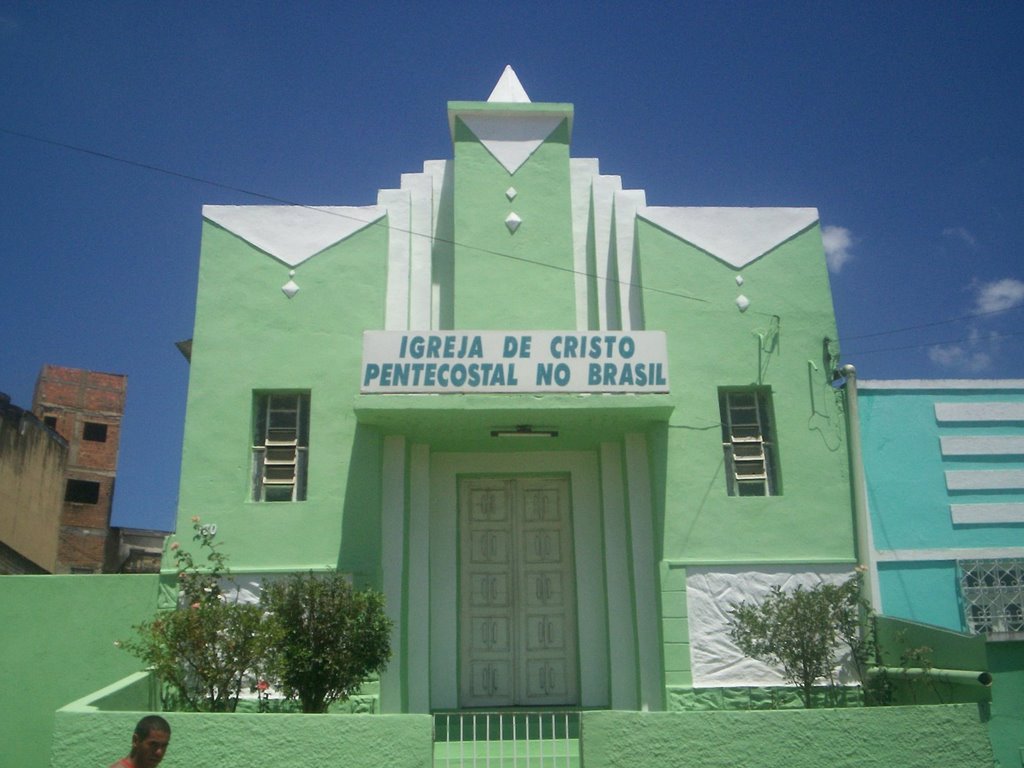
993,595
280,446
748,443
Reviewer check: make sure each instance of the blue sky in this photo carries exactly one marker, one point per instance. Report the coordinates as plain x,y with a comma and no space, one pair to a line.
900,121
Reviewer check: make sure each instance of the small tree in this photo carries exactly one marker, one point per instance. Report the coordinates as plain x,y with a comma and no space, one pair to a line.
804,631
205,648
329,637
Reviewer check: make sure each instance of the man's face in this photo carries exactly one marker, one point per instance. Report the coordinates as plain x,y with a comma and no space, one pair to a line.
149,751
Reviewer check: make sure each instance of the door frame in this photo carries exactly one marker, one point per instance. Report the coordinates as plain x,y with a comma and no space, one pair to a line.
589,558
509,579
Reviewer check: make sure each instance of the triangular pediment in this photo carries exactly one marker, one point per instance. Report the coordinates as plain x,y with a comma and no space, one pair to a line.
736,236
292,233
512,138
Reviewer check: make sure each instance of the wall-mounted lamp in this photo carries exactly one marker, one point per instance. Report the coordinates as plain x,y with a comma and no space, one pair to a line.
524,430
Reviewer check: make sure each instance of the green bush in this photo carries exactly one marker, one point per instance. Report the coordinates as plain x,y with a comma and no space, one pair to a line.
804,631
328,637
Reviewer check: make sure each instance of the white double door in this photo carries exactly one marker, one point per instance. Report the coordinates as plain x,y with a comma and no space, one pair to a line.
517,629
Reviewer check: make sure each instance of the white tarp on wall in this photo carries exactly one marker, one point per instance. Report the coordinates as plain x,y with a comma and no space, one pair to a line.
711,592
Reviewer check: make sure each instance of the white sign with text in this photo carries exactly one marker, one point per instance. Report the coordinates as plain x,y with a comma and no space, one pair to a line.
514,361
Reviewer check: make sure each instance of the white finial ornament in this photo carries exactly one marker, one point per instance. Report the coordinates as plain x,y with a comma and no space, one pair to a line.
508,89
290,288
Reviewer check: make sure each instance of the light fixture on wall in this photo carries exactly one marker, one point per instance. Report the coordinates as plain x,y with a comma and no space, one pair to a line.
523,430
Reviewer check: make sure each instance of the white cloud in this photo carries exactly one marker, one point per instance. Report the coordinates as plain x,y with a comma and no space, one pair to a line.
837,242
1002,294
961,233
973,355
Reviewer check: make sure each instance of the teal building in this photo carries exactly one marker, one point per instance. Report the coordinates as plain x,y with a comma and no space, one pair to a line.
944,462
944,465
552,422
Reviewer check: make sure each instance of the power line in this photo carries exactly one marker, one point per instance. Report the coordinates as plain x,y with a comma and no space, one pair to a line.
933,324
993,337
283,201
479,249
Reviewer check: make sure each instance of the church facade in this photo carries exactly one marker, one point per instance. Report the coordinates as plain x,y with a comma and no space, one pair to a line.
563,430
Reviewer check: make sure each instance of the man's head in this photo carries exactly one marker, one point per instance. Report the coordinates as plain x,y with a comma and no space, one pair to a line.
149,742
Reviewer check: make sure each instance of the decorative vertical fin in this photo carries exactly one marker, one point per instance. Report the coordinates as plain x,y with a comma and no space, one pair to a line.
396,311
582,173
421,214
443,253
631,312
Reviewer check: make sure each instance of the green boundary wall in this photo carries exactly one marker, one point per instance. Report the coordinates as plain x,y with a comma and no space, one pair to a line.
950,735
1006,728
85,738
57,638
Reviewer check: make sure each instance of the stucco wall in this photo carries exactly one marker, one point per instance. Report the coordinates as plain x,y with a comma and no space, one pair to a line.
897,737
32,462
1006,728
905,467
776,343
86,739
250,337
57,638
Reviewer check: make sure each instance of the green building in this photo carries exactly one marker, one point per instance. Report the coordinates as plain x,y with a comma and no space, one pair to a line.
552,423
561,430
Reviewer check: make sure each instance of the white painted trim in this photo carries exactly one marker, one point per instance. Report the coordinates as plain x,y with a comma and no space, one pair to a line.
292,233
512,137
396,308
590,594
606,269
985,479
442,261
940,383
393,564
736,236
581,173
979,412
987,514
644,574
621,635
938,555
420,188
418,667
631,309
988,445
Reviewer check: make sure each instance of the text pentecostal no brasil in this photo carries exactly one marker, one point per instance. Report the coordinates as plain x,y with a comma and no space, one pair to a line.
492,361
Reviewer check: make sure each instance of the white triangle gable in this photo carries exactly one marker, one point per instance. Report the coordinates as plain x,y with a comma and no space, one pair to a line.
508,89
512,138
737,236
292,233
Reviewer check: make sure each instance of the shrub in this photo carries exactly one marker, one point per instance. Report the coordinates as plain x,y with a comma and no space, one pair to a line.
205,649
804,632
329,637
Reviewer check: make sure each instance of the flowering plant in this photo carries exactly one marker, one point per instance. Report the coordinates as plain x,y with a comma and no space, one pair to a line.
205,649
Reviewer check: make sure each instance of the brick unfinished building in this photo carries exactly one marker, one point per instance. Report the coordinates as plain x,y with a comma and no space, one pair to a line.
86,408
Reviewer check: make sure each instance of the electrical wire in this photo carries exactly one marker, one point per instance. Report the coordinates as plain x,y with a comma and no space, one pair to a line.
991,337
318,209
501,254
933,324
